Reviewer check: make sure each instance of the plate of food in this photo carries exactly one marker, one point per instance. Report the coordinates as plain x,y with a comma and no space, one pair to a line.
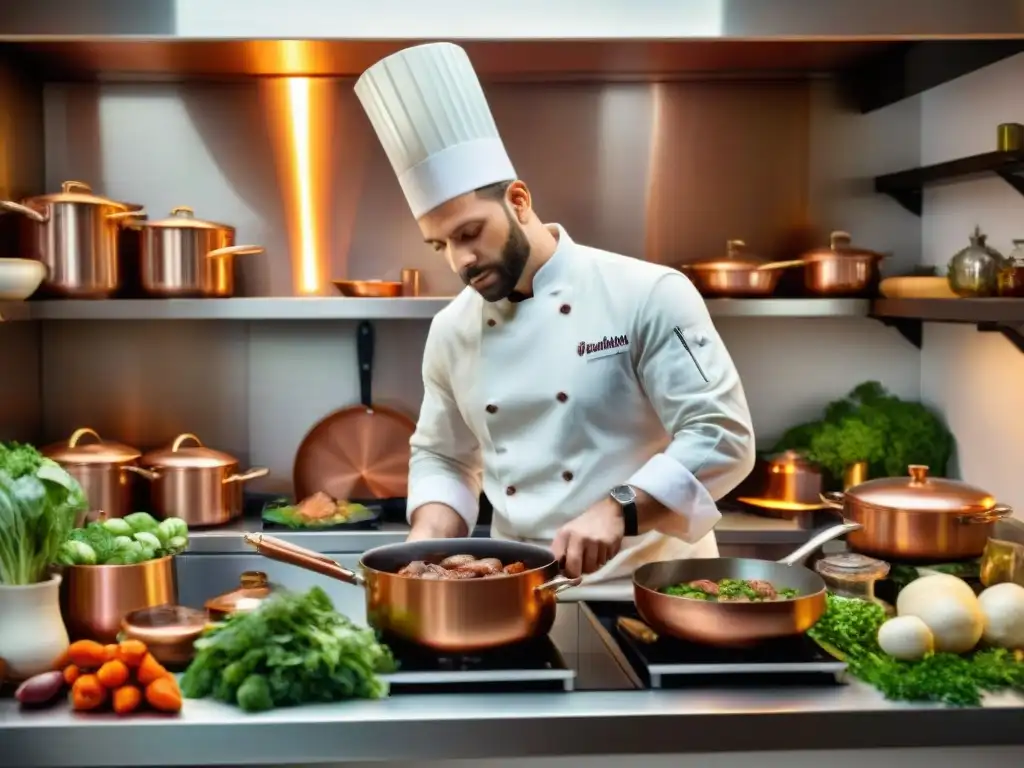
319,512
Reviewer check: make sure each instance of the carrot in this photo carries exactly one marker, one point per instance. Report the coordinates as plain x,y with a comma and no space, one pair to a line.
111,649
62,661
87,654
151,670
164,695
127,699
132,652
71,673
113,674
87,693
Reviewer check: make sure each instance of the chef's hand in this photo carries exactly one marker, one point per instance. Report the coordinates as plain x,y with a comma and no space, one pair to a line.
591,540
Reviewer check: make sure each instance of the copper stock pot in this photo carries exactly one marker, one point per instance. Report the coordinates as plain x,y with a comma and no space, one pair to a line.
918,518
104,469
74,233
182,256
198,484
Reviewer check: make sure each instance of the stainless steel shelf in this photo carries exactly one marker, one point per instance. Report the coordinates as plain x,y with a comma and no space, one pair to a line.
289,308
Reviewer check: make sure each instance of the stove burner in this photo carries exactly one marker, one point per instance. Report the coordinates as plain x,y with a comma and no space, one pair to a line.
671,663
533,666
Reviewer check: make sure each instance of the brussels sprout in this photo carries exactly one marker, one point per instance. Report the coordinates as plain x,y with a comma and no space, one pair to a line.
118,527
177,544
171,527
148,540
77,553
141,522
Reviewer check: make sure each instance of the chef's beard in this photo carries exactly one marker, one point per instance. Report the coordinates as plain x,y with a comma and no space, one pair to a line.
508,269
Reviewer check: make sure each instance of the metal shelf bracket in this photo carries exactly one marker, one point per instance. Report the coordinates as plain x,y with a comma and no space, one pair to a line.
909,328
1013,332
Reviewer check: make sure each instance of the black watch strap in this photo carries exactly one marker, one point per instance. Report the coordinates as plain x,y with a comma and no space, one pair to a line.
630,519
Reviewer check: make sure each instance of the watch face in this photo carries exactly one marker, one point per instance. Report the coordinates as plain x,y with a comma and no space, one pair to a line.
624,494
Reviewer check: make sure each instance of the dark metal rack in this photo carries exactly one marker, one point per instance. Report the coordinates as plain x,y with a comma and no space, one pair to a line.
1005,316
907,187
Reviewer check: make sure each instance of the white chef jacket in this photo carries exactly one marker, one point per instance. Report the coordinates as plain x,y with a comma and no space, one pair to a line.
552,401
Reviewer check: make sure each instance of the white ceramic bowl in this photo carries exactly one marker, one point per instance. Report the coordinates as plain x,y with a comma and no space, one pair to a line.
20,278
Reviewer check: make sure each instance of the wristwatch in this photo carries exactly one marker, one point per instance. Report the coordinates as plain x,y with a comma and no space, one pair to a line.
625,496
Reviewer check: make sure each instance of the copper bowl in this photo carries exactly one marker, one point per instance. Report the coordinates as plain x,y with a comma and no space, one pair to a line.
369,289
96,598
168,631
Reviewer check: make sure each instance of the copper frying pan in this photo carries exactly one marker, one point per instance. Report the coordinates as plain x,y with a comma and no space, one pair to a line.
360,452
736,624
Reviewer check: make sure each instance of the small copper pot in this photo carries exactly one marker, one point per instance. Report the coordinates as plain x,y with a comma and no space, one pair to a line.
840,269
918,518
736,275
198,484
95,598
169,632
105,470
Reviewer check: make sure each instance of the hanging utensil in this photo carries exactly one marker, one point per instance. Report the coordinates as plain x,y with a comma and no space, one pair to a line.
360,452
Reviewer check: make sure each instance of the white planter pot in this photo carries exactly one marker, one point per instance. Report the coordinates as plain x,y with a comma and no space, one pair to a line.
32,633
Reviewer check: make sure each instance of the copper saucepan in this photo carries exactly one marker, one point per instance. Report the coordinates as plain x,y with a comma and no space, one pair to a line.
919,518
453,616
738,274
734,624
840,269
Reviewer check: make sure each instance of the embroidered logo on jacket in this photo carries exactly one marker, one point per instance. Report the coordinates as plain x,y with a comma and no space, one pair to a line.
608,345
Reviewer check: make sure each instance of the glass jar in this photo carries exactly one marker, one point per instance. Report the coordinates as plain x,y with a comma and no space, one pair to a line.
1011,276
974,271
848,574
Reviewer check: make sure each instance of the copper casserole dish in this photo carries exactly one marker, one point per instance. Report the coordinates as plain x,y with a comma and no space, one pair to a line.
918,518
453,616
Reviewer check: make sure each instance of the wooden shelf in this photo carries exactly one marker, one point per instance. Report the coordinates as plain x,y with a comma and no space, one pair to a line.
1005,316
907,187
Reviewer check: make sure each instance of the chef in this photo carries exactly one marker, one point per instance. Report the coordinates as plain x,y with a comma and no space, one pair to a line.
588,393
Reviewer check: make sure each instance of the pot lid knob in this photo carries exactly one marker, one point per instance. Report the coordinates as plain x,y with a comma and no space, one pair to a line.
182,438
839,240
183,212
918,473
68,187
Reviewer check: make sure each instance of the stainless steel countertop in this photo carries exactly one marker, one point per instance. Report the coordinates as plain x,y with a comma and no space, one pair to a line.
735,528
451,726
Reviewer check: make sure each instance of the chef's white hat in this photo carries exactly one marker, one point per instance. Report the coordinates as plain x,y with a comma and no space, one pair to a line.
431,116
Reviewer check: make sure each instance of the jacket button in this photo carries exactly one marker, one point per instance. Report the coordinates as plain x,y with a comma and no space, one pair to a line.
510,491
561,397
565,309
491,322
491,408
567,475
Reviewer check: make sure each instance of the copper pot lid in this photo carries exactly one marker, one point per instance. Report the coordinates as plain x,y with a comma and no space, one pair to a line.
77,192
920,493
736,258
194,456
184,217
840,244
97,451
253,589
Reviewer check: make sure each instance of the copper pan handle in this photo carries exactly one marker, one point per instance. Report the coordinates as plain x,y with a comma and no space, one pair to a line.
998,512
559,584
236,250
781,265
816,542
832,499
283,552
245,477
148,474
126,215
24,210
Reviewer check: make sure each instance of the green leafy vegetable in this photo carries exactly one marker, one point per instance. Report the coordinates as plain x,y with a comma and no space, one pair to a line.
348,513
849,629
293,649
99,543
39,502
871,425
